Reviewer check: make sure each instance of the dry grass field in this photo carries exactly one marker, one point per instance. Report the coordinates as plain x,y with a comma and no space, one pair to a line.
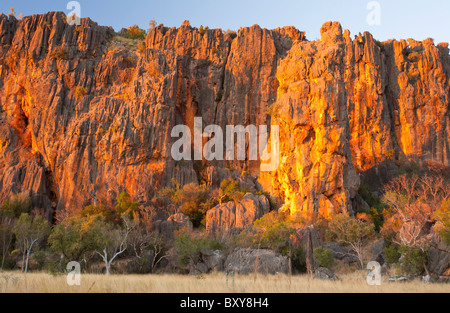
214,283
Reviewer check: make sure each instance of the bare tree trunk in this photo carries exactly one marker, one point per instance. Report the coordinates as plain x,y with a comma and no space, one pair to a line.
23,258
28,254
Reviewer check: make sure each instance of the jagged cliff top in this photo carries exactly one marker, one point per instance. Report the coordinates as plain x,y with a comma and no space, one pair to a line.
333,29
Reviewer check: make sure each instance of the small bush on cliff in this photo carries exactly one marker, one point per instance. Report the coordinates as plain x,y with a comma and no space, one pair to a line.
195,203
80,92
219,95
141,47
380,45
125,206
231,33
193,200
152,24
133,32
60,53
202,30
229,191
414,56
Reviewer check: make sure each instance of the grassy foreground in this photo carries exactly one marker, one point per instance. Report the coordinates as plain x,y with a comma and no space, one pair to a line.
214,283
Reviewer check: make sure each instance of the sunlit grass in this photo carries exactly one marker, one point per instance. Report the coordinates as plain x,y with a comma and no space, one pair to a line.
214,283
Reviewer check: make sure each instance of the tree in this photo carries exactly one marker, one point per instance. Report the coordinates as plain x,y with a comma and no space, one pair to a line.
74,238
125,206
113,240
105,212
152,24
194,199
143,238
10,210
412,202
273,231
352,232
6,235
29,230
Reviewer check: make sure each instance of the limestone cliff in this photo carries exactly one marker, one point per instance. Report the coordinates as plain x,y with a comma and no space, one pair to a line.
83,117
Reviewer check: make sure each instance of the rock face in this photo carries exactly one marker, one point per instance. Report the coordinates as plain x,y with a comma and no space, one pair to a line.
173,223
83,118
346,106
342,253
439,261
214,260
232,217
323,273
246,261
308,239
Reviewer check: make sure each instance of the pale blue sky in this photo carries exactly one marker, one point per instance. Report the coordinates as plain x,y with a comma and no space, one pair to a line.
416,19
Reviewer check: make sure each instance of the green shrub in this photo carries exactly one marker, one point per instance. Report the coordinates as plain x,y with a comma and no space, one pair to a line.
324,256
16,205
39,258
189,247
273,231
298,258
367,195
232,33
392,254
412,259
125,206
9,264
54,268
